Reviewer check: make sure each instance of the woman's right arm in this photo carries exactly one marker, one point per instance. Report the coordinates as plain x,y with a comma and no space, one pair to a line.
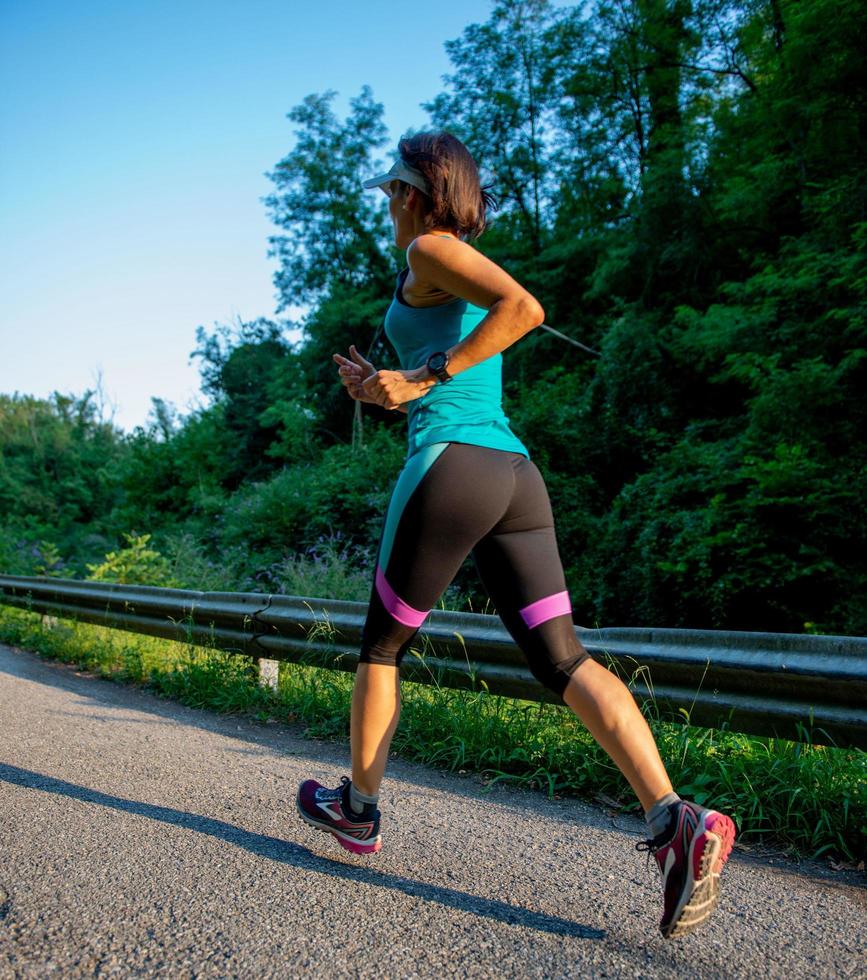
353,373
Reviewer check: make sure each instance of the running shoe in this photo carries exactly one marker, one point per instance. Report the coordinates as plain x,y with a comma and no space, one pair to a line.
329,810
690,854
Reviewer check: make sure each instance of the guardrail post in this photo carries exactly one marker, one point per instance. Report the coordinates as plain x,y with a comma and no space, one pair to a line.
269,673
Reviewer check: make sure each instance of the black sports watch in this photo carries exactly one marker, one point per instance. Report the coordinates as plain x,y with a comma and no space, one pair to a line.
436,364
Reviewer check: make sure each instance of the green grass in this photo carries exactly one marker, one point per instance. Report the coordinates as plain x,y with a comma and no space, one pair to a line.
809,800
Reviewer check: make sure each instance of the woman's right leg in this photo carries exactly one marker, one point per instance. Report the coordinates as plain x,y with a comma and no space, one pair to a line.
375,714
446,499
608,710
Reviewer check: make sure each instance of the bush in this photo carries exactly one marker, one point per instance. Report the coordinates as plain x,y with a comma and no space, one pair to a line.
136,564
344,493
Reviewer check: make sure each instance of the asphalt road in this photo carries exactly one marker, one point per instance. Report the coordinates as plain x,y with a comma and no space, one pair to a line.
143,838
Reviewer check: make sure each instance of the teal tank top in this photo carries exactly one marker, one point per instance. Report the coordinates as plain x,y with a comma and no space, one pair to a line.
466,409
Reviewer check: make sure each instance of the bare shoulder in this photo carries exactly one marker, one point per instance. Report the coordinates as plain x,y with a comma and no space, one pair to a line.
437,248
447,266
429,253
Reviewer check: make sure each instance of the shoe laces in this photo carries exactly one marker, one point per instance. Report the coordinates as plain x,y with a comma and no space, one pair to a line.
337,793
651,846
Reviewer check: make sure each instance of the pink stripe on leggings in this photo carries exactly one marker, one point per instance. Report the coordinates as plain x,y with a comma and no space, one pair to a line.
396,607
544,609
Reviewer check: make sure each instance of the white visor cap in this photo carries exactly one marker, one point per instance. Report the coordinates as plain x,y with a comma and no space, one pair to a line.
400,171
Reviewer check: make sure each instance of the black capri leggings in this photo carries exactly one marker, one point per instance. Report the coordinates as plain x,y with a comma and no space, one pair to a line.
452,499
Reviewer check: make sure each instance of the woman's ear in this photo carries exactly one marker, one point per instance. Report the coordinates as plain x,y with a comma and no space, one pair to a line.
412,198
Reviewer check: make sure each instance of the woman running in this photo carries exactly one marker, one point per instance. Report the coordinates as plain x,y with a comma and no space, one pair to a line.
469,487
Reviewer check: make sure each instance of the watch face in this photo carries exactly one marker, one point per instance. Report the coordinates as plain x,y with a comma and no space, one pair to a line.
436,362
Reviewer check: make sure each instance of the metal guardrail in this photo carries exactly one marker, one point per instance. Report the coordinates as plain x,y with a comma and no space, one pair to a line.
789,685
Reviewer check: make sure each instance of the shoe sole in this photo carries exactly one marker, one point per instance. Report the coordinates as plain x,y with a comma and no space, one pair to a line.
350,843
716,836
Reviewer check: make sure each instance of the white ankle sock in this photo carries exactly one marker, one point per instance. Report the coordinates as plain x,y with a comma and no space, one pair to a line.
657,816
358,801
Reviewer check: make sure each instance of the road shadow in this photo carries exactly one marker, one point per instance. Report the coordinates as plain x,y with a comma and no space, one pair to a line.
287,852
275,738
280,738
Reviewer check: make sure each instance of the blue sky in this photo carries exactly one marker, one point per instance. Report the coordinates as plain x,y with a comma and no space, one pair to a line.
135,138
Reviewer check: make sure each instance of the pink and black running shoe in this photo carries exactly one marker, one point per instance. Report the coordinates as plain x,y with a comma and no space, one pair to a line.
690,854
328,810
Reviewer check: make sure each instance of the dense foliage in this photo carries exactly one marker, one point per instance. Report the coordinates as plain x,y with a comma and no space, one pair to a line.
682,184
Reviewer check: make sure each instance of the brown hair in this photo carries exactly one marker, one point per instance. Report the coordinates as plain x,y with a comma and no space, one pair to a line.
457,200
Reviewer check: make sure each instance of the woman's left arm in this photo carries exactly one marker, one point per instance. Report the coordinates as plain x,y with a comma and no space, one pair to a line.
458,269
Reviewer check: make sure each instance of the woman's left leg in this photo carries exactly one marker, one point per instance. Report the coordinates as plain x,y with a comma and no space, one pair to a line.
520,566
521,569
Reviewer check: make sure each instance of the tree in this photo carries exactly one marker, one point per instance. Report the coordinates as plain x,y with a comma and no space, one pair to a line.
336,255
334,232
58,459
237,367
499,103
